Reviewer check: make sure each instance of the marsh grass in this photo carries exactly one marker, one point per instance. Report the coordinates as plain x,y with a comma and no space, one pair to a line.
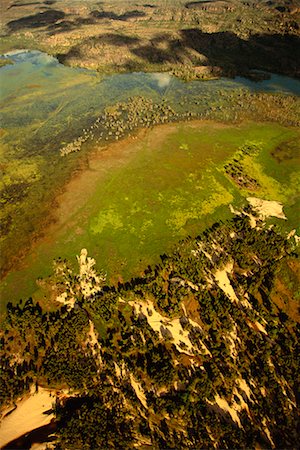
171,187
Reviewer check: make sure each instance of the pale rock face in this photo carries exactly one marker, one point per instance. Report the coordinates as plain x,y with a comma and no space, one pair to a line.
82,260
292,234
90,282
222,280
169,327
139,391
267,208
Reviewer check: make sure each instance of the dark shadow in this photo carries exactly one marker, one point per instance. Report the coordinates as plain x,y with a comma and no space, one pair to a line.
195,5
19,5
132,15
216,6
172,52
74,52
37,20
104,15
113,16
117,40
273,53
223,50
69,25
39,435
154,55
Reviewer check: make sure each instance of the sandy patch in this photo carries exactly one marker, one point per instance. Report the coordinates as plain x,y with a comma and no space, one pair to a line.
260,327
223,404
252,220
234,211
63,298
221,277
166,326
257,326
267,431
235,407
139,391
267,208
42,446
89,281
232,338
118,370
244,387
93,341
29,415
293,234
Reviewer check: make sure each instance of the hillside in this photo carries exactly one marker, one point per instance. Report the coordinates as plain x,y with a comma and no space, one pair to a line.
191,39
196,353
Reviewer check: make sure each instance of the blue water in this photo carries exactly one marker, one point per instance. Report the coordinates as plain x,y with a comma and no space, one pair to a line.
41,97
276,84
35,66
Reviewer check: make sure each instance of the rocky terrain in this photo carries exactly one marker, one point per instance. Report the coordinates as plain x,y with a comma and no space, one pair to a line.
188,38
195,353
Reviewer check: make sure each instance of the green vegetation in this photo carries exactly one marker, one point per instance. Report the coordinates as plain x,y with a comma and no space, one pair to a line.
152,192
223,369
28,201
198,347
5,62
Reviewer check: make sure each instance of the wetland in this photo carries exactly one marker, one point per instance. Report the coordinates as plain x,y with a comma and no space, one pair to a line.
139,179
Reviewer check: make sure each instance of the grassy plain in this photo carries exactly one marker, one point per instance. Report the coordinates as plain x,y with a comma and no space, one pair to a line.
140,196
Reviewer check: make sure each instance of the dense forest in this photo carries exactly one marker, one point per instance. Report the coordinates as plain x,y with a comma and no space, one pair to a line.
195,353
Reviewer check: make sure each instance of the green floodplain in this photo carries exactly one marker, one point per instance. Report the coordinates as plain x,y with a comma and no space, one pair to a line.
130,201
138,198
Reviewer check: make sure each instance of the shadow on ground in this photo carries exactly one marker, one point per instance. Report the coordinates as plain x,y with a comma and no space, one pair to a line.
113,16
38,20
273,53
55,21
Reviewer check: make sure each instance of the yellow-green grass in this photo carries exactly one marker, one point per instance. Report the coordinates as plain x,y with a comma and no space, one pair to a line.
142,202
